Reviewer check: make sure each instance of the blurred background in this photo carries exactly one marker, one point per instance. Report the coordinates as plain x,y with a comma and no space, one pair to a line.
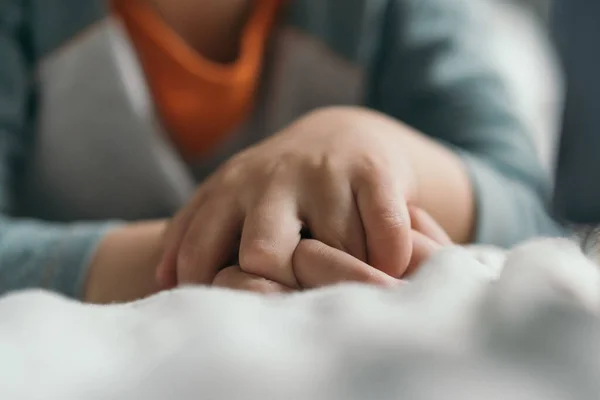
556,88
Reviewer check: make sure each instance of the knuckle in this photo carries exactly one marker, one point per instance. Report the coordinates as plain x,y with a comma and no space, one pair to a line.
259,257
391,220
233,171
331,166
372,168
278,170
263,171
280,164
229,177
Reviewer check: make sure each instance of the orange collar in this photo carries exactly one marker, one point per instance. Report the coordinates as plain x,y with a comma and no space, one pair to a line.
199,101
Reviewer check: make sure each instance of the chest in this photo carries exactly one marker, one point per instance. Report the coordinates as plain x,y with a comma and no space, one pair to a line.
100,149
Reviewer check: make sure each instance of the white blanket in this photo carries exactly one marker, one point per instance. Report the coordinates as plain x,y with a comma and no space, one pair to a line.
472,324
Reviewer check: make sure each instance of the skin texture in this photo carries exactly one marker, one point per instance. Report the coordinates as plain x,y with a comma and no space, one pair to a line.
124,266
346,174
316,265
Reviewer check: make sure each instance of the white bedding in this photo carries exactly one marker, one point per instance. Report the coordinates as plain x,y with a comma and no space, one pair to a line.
472,324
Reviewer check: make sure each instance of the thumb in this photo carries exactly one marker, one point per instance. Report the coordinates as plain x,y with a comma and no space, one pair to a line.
427,237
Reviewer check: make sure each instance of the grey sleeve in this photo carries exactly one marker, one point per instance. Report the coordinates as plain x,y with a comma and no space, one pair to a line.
32,253
433,75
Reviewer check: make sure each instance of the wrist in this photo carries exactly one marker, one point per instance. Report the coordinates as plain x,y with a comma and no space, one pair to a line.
123,266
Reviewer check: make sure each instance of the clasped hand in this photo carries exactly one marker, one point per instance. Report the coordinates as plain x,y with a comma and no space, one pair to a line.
340,174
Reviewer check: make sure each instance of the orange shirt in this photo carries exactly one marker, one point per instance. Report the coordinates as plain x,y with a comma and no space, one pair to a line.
199,101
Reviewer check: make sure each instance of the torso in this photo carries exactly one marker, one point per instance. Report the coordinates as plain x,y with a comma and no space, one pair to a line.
101,150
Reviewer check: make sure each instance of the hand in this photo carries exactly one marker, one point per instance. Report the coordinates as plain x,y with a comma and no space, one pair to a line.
123,266
317,265
341,172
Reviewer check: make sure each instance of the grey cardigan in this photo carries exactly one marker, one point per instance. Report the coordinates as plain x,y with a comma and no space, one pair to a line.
80,144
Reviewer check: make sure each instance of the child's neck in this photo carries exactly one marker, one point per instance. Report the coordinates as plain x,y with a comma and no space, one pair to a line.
212,27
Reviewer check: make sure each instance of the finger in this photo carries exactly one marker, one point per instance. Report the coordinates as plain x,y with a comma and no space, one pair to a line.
209,242
423,248
235,278
386,220
332,217
270,235
166,271
317,264
422,222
